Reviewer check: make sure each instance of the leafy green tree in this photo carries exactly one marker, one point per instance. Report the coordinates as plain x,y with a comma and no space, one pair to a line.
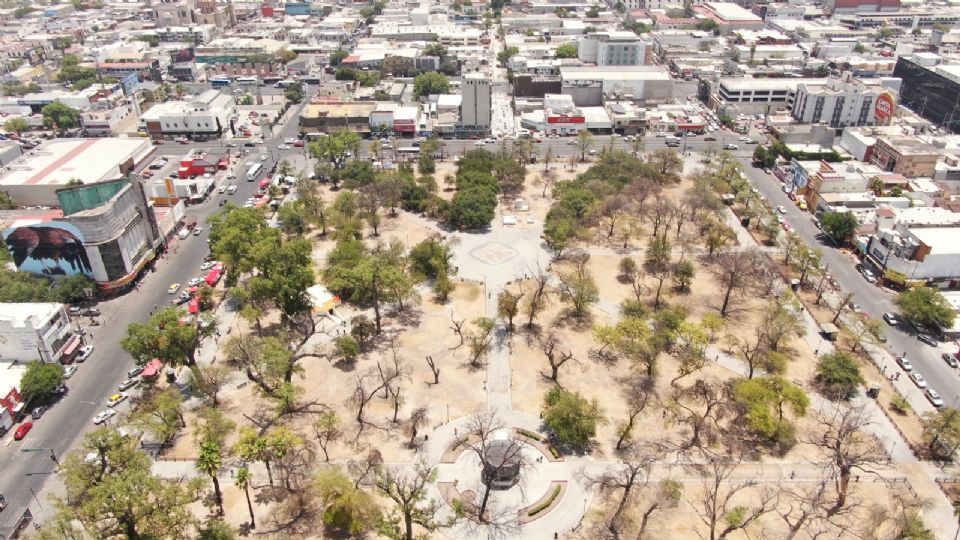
430,258
269,447
244,480
336,147
61,117
430,83
364,276
472,209
345,506
337,56
22,12
17,125
571,417
926,306
838,376
164,337
504,56
345,74
40,380
72,289
567,50
209,462
412,504
234,234
683,273
216,529
435,49
583,142
161,414
362,329
941,432
346,348
112,493
559,234
593,12
841,226
578,288
764,400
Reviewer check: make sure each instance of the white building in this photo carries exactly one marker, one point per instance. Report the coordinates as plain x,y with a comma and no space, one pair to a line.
105,122
837,102
36,331
475,107
207,114
589,86
613,48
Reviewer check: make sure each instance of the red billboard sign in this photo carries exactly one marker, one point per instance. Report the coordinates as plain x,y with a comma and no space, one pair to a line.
884,107
565,120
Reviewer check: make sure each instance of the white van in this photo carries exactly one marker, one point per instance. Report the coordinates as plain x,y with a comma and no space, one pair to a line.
184,233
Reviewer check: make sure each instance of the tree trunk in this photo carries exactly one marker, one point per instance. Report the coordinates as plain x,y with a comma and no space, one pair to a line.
656,299
726,301
269,471
646,517
216,492
408,525
627,430
483,503
253,521
376,304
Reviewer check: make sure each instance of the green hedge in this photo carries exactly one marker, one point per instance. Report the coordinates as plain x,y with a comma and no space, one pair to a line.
545,504
529,434
555,453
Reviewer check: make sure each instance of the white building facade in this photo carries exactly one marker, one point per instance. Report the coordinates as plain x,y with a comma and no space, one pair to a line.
613,49
475,107
837,103
36,331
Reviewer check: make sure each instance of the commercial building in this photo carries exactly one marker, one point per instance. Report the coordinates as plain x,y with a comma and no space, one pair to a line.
840,7
590,86
842,102
749,95
561,117
905,154
237,50
475,106
36,331
932,91
206,115
920,252
34,178
614,48
729,16
329,117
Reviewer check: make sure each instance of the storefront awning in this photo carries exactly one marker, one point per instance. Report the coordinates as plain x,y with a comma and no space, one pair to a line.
72,345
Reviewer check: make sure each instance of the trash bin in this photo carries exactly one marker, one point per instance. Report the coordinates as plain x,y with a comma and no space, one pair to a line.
873,391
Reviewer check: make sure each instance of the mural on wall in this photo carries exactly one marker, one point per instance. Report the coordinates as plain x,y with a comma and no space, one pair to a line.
53,248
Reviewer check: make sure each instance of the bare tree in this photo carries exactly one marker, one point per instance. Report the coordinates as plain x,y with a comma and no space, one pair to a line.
736,271
209,380
418,418
638,391
661,215
433,369
803,508
480,340
849,448
457,327
366,387
579,288
538,298
408,491
847,298
366,469
717,510
700,408
393,378
328,427
485,428
623,480
556,359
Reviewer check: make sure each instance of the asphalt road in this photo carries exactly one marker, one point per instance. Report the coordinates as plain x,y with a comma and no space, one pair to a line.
25,473
874,300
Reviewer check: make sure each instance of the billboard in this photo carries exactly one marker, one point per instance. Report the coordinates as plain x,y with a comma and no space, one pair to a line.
52,248
884,107
565,120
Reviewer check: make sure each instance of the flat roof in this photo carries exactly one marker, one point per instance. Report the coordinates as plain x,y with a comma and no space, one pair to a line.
17,314
632,73
10,375
942,240
339,109
729,11
747,83
89,160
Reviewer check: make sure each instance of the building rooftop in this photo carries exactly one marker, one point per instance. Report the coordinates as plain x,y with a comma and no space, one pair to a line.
728,11
19,314
631,73
89,160
942,240
10,375
747,83
350,108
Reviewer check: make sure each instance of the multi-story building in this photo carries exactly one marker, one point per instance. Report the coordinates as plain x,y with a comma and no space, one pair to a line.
173,12
838,7
919,243
237,50
614,48
475,108
930,90
197,33
907,155
589,86
841,103
751,95
36,331
206,115
105,122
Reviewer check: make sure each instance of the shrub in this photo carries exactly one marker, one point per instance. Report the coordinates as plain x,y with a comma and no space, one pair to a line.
529,434
545,504
899,404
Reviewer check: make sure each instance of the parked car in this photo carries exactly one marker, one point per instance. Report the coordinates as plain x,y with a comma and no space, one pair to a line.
927,338
934,398
890,318
37,412
117,399
222,189
729,146
905,363
22,431
950,359
128,383
69,371
84,353
103,416
173,288
134,371
918,379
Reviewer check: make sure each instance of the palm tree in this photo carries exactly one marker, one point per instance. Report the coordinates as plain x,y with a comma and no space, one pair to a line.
210,464
243,481
180,90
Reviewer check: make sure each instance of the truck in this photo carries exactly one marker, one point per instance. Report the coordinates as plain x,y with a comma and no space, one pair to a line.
673,140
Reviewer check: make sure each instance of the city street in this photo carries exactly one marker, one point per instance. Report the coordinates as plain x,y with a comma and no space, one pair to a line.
25,473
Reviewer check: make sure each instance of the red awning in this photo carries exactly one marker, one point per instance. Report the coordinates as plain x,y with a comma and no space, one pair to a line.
152,368
193,306
264,183
72,345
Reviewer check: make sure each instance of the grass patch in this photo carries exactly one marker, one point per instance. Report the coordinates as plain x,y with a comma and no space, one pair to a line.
545,504
899,404
555,453
529,434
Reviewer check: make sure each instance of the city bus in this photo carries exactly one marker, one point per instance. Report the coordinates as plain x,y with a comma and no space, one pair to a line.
310,80
408,151
254,171
286,83
248,80
220,82
271,80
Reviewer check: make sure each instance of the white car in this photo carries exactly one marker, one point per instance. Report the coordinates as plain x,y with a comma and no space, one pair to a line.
207,265
744,138
781,210
104,416
193,282
905,363
289,140
283,147
69,371
232,189
263,157
84,353
918,379
934,398
480,143
222,189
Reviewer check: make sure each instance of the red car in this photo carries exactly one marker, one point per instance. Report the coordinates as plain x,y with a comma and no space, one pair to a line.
157,141
298,144
22,431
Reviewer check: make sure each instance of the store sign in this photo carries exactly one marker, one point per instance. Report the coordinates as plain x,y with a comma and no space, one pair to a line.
565,120
884,107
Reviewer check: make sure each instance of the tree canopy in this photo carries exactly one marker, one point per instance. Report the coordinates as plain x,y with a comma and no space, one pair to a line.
61,117
838,375
571,417
164,337
567,50
40,380
841,226
764,400
430,83
926,306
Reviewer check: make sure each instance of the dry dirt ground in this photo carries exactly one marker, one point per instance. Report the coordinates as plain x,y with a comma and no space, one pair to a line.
424,330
